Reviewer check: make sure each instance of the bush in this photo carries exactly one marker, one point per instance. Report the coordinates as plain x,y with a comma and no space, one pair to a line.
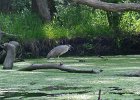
77,21
53,31
71,21
19,5
25,24
130,22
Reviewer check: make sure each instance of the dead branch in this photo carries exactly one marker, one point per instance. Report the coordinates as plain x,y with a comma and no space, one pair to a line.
99,98
110,6
132,74
60,67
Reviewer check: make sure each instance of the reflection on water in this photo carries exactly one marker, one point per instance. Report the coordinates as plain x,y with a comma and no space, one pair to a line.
41,92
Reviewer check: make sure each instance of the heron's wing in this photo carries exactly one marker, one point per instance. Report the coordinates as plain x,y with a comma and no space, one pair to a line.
57,51
53,53
50,54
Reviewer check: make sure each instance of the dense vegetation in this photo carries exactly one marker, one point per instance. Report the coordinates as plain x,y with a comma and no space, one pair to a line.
70,22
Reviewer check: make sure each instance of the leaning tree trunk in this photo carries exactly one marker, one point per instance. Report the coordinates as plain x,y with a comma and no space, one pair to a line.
45,8
98,4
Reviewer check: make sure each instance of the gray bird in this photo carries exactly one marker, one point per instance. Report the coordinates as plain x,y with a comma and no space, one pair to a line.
58,51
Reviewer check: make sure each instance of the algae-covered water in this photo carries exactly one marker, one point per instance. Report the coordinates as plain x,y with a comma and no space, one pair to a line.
51,84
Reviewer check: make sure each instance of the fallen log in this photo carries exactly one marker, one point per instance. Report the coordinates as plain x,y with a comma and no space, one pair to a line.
59,67
132,74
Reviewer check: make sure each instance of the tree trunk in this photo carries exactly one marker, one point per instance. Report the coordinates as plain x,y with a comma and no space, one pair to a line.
11,54
5,5
114,21
60,67
110,6
34,6
10,57
45,8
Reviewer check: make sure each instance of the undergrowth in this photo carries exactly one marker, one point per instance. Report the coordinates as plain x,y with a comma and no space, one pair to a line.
25,24
70,22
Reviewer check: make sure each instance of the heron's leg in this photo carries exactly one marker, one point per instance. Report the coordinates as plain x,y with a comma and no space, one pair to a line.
58,58
55,60
61,62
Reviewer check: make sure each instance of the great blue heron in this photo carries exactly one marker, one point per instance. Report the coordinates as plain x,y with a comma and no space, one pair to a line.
58,51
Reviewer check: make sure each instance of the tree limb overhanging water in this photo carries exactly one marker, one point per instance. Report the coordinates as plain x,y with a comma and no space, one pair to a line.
113,7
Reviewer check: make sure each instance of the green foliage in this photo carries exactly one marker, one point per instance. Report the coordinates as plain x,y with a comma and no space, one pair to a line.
26,24
71,20
81,21
20,5
77,21
52,31
130,22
